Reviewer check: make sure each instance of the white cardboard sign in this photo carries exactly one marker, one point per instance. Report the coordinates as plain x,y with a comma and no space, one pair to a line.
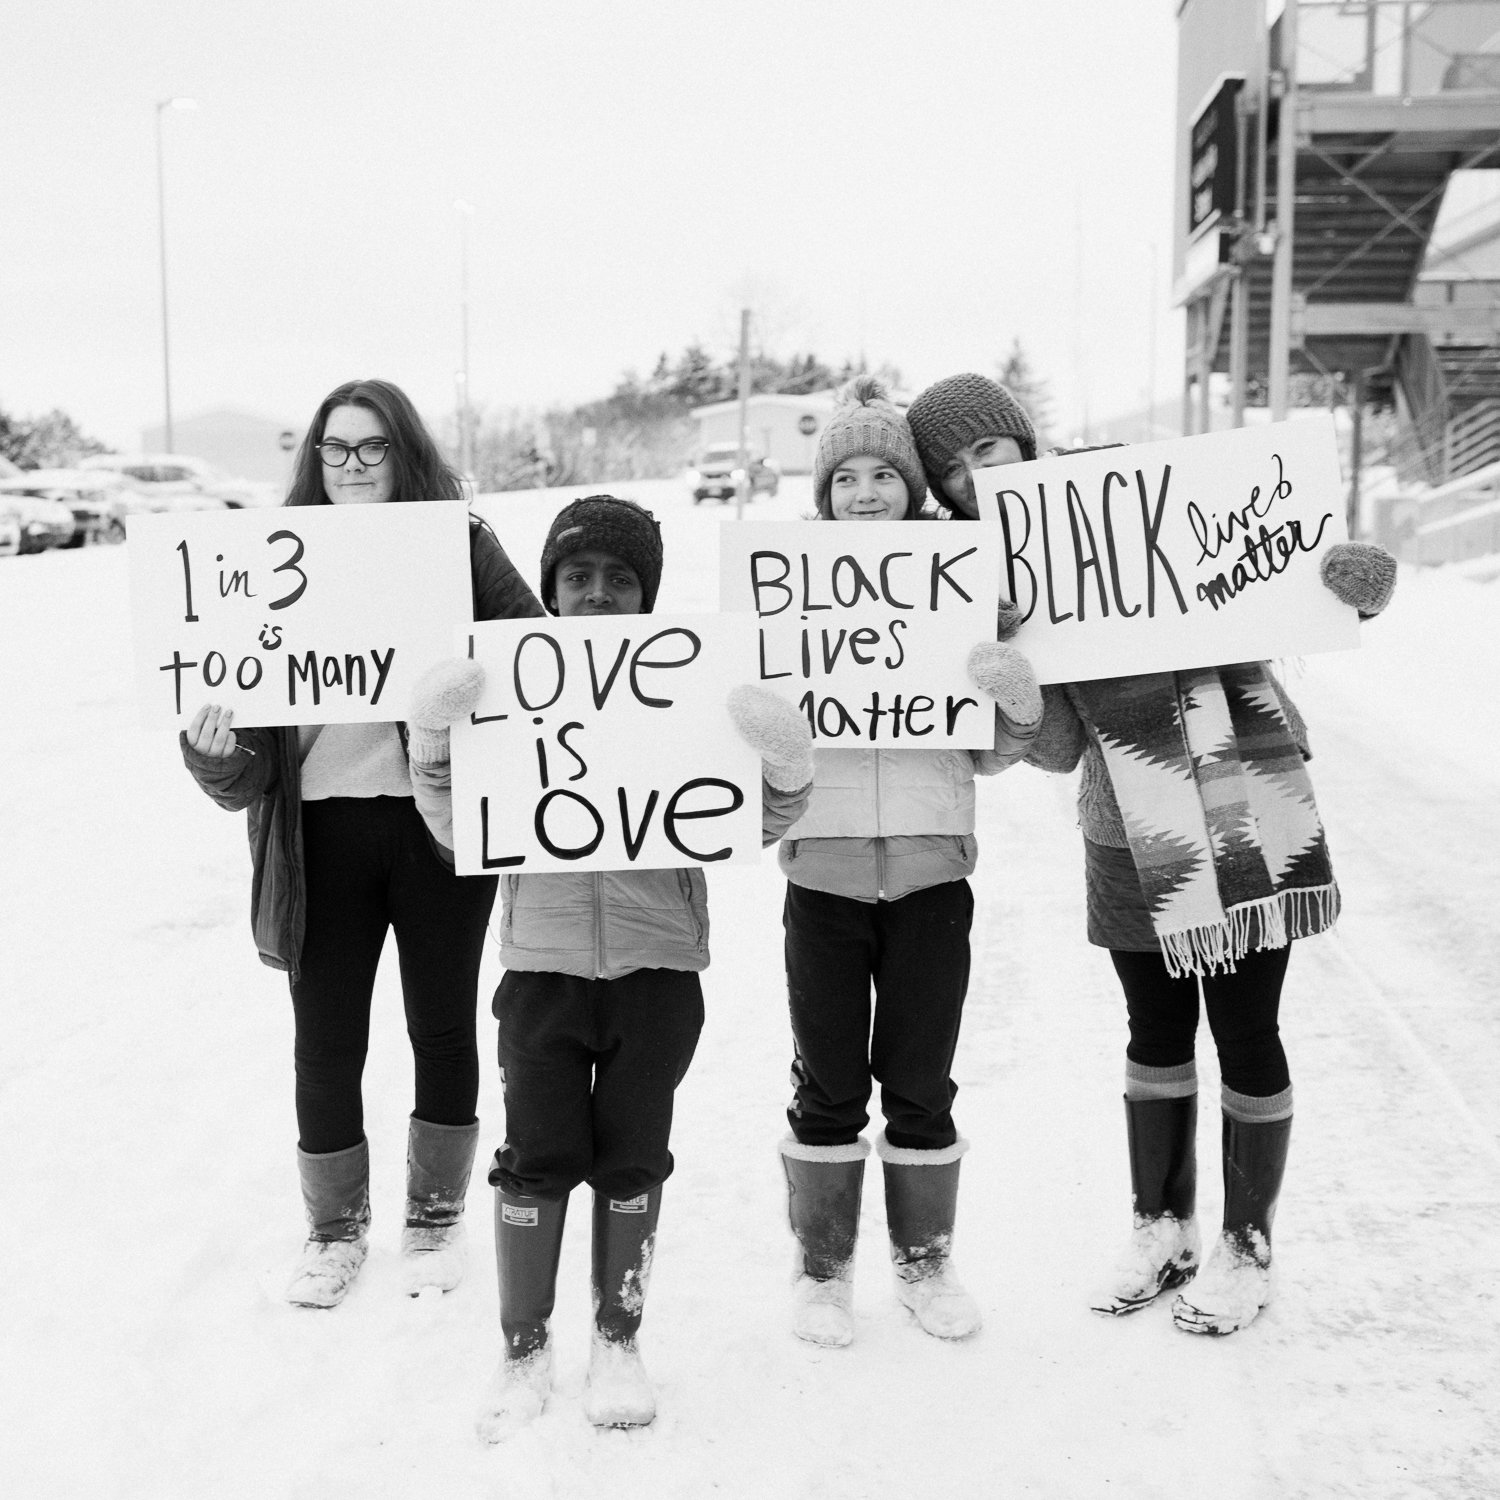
1188,553
603,743
317,614
866,625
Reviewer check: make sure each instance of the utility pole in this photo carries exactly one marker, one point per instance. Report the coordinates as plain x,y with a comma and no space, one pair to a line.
741,490
1280,352
161,232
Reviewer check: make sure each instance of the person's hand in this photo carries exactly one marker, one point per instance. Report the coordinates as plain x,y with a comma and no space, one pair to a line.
1007,620
210,733
1360,574
445,693
777,732
1003,673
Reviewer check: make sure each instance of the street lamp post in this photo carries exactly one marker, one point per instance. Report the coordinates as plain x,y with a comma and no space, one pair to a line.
465,416
161,227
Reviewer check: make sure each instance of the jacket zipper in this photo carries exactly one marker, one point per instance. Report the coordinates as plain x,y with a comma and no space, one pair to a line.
598,925
879,838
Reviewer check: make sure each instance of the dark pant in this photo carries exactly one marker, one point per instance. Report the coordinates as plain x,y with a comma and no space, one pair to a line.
1242,1009
589,1068
915,951
370,866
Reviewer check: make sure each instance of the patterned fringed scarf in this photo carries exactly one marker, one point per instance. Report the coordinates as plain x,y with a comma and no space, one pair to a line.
1219,811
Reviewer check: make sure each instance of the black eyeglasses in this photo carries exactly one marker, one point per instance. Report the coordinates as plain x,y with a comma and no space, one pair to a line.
336,455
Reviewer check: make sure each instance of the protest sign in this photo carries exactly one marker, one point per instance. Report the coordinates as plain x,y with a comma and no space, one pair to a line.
1188,553
603,743
866,625
318,614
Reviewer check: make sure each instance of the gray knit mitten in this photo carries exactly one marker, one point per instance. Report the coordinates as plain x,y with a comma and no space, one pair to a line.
1002,673
444,694
777,732
1360,574
1007,620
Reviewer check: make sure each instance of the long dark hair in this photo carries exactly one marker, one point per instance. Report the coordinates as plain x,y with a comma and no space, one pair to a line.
421,473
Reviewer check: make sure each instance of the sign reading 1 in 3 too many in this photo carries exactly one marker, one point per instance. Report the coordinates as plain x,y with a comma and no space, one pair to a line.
303,615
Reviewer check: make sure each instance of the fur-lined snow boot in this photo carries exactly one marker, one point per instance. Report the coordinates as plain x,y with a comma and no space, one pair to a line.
618,1392
921,1205
824,1187
1164,1248
336,1195
528,1244
439,1161
1236,1282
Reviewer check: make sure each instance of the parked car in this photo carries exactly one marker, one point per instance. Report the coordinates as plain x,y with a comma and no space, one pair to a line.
712,476
10,532
41,522
178,482
99,501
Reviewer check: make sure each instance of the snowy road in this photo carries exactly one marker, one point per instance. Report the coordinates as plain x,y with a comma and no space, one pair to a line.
145,1103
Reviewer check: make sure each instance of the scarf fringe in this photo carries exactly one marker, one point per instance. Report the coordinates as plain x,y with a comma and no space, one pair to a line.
1301,912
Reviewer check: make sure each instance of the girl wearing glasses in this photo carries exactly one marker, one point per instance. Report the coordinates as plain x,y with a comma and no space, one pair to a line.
340,855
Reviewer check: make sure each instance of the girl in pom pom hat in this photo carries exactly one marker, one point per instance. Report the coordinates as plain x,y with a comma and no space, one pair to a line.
600,1007
878,897
1204,857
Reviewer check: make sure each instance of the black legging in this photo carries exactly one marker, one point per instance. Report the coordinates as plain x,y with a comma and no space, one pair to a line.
370,867
1242,1009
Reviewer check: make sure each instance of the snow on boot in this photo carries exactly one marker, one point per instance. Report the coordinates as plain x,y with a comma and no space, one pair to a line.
921,1205
439,1161
336,1195
516,1395
528,1245
824,1186
1236,1283
618,1392
1164,1250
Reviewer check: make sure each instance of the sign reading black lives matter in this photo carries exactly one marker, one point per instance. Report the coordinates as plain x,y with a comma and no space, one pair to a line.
318,614
867,625
1189,553
603,743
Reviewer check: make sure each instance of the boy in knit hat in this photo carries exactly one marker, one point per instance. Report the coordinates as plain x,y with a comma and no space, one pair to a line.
600,1006
963,423
877,897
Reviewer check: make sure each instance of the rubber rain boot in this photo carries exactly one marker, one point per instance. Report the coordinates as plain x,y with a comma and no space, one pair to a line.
528,1244
439,1161
336,1195
1164,1251
824,1188
618,1392
921,1204
1236,1282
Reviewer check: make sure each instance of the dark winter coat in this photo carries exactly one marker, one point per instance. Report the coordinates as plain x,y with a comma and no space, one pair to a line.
263,776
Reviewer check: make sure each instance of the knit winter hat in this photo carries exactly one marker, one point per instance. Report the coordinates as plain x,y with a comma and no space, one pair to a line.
953,413
865,422
604,523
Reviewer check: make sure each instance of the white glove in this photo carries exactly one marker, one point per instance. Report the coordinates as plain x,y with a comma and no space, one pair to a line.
445,693
777,732
1002,673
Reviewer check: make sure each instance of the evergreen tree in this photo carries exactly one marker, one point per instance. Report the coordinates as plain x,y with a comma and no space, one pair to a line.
1017,374
51,441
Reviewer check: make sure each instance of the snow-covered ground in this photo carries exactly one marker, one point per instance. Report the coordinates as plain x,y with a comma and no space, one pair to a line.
152,1209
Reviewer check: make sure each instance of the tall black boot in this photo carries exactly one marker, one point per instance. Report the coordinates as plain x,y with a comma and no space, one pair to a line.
528,1244
618,1392
824,1188
1164,1248
921,1206
1236,1282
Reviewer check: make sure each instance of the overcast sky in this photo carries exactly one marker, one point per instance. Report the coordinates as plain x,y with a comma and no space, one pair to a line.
904,179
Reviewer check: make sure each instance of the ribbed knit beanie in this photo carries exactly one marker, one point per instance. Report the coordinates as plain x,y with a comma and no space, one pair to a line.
865,422
955,412
604,523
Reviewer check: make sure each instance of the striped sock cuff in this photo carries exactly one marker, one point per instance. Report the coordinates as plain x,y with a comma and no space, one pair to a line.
1250,1110
1176,1082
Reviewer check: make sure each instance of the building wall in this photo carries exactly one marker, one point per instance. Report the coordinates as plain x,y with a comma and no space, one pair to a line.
772,429
243,446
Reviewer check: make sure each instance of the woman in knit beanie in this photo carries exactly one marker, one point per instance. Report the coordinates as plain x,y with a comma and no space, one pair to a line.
878,898
963,423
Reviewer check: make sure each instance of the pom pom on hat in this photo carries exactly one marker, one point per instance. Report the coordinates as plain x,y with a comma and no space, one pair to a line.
866,422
